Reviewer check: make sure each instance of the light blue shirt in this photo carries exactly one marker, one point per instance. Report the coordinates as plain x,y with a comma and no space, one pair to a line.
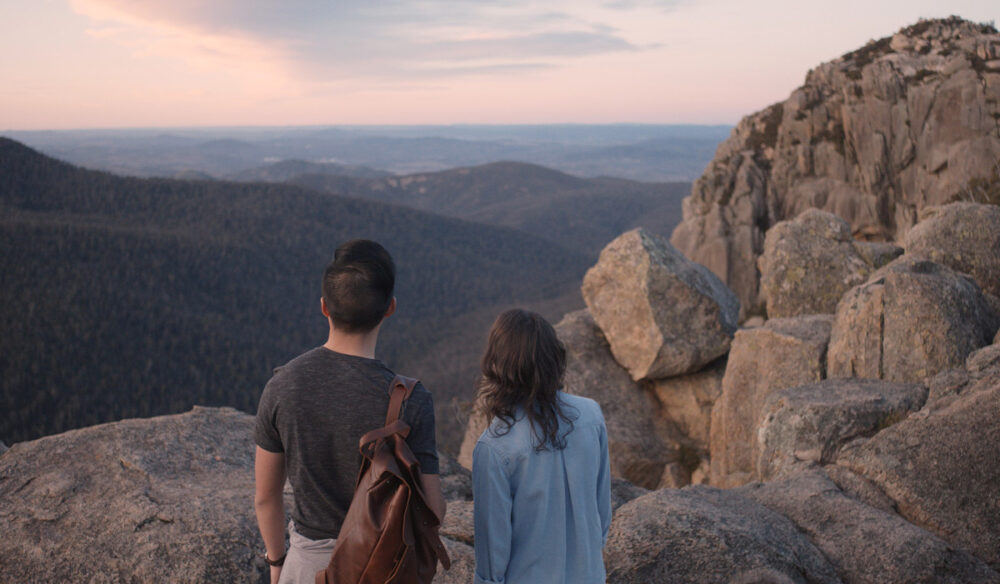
543,517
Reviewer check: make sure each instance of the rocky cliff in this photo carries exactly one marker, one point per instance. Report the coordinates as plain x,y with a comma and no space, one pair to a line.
903,123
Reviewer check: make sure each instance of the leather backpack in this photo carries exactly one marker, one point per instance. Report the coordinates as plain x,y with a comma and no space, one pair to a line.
390,534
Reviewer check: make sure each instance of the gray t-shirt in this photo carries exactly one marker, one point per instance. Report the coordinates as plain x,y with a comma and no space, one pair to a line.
315,409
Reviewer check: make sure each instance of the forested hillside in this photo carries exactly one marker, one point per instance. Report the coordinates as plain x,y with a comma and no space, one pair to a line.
579,213
133,297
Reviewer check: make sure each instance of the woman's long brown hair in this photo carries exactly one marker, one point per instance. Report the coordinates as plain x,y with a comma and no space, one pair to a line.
523,367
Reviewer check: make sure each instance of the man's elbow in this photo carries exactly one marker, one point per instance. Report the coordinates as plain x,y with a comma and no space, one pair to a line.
267,499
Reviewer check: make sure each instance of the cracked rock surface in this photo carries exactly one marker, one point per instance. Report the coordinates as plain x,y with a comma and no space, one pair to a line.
875,136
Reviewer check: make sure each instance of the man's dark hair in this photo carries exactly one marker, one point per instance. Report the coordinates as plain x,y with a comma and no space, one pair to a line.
358,284
523,368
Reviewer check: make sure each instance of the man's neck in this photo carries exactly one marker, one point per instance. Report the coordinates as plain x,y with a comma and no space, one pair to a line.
359,345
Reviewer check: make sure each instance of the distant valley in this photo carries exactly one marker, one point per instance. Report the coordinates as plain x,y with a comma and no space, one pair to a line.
651,153
134,297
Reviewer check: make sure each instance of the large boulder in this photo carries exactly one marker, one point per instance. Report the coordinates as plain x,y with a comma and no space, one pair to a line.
903,123
166,499
809,423
910,320
962,236
810,262
866,544
662,314
783,353
940,467
640,440
705,535
687,401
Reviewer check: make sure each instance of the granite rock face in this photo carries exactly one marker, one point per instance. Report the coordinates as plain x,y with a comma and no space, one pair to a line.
875,136
640,440
963,236
810,262
662,314
164,499
687,400
785,352
940,467
808,424
702,535
866,544
913,319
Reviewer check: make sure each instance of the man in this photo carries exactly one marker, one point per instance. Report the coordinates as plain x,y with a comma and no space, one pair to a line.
315,409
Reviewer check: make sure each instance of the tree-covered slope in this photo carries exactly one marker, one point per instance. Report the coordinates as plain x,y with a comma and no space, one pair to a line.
132,297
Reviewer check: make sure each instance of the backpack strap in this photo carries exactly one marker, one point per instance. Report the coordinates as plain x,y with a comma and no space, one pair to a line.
400,388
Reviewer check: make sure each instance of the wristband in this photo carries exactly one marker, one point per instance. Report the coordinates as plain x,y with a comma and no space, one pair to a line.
277,562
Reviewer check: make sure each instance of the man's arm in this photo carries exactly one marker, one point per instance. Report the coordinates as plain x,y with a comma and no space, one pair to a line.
269,478
431,484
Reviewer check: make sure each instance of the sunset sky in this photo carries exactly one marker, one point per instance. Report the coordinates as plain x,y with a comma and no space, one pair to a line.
161,63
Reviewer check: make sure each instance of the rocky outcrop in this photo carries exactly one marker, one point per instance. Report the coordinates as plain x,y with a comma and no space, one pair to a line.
963,236
810,262
640,440
808,424
702,535
939,466
875,136
866,544
687,400
911,320
785,352
167,499
662,314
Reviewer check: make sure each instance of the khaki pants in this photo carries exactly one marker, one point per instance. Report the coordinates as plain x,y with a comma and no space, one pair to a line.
305,557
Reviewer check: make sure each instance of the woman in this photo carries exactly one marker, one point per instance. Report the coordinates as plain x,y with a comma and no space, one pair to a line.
540,472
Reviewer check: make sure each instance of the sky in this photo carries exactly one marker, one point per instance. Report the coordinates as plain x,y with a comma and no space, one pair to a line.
71,64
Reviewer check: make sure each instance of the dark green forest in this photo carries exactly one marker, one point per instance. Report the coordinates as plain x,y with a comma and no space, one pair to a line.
580,213
125,297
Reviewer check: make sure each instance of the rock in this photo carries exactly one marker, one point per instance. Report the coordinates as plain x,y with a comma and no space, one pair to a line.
463,564
983,362
456,482
948,382
863,543
940,468
162,499
703,535
809,423
623,491
876,253
3,447
963,236
874,137
476,426
808,263
662,314
859,488
640,440
910,320
785,352
687,401
459,524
